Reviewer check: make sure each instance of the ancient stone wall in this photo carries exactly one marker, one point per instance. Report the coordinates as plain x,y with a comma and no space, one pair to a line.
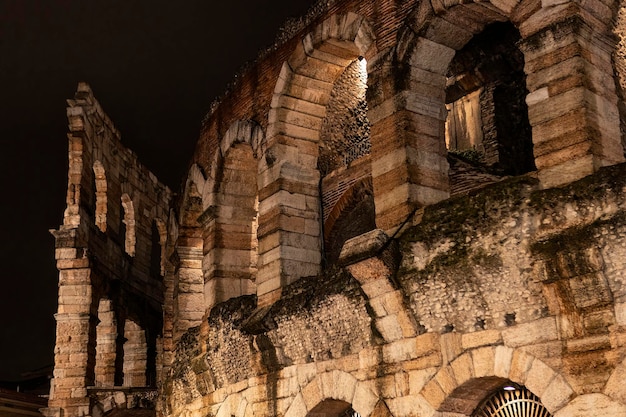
513,284
109,253
434,303
296,285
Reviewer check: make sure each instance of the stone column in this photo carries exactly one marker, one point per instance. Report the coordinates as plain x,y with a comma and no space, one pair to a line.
572,103
407,112
74,354
135,355
106,335
189,284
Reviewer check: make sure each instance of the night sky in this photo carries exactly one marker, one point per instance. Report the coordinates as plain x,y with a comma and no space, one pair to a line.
154,65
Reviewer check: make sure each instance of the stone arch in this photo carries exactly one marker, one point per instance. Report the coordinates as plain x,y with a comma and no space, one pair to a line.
101,196
289,200
334,385
487,124
409,158
351,215
465,381
128,221
230,217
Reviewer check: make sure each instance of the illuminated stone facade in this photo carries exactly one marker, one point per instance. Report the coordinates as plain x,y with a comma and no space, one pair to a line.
329,254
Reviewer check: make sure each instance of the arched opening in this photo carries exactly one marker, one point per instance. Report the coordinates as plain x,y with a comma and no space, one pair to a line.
128,225
345,131
488,134
231,249
101,196
352,215
344,162
290,238
512,400
332,408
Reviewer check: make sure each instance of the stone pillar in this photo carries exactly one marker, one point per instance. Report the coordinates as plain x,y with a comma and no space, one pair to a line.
75,336
289,200
289,216
106,336
572,103
135,355
189,284
229,230
407,113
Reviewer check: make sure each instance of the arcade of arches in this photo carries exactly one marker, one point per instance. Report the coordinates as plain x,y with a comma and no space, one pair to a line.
402,208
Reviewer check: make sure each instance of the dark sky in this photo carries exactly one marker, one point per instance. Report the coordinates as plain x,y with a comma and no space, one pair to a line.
154,65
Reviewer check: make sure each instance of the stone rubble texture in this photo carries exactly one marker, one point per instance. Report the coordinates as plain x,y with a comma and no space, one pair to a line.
326,253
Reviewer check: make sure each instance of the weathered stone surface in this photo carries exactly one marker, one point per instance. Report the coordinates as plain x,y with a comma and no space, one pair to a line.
235,298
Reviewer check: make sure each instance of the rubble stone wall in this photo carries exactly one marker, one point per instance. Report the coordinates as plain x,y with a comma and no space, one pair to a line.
510,284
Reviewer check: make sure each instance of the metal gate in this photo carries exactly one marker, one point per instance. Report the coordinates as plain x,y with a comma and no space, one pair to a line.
512,402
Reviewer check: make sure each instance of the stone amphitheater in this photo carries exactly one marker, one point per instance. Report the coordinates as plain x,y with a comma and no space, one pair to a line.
401,208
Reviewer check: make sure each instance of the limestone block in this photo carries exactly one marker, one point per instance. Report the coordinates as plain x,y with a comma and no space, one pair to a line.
301,106
386,386
502,362
539,377
557,394
389,328
542,330
598,404
419,378
556,106
413,405
368,358
375,289
432,56
451,346
389,161
287,129
399,351
565,172
297,408
446,380
367,243
433,393
481,338
463,368
544,18
520,365
269,278
312,394
345,386
327,54
364,400
483,360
